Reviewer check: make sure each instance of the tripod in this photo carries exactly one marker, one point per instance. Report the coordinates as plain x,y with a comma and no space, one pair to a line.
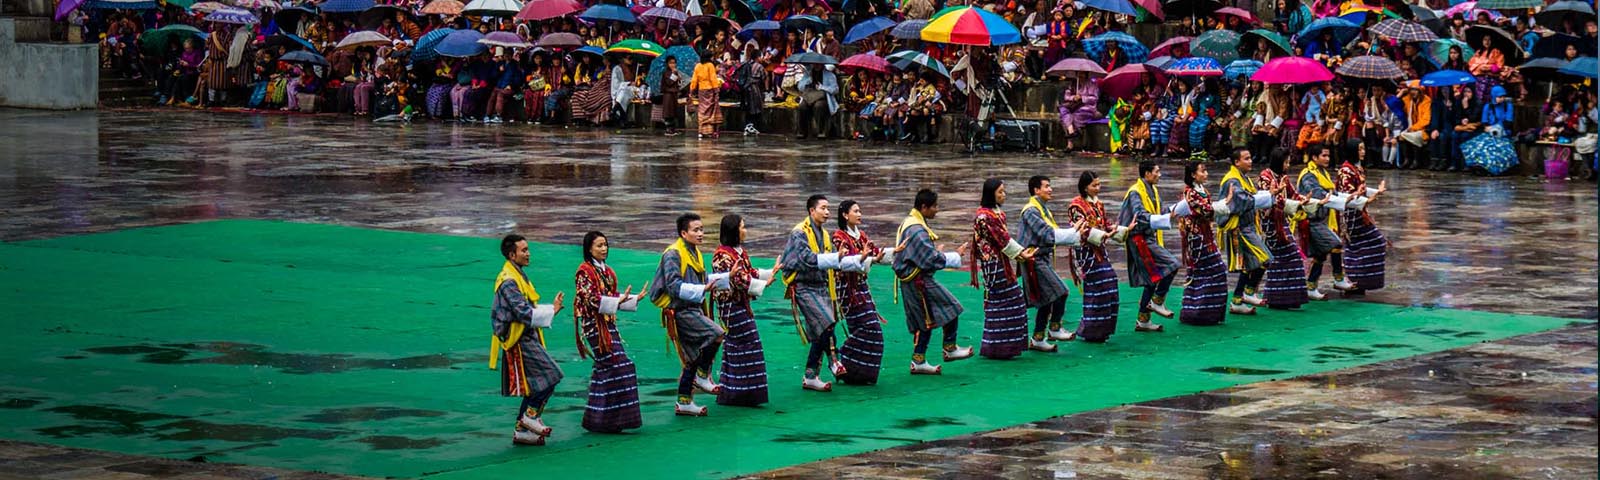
992,95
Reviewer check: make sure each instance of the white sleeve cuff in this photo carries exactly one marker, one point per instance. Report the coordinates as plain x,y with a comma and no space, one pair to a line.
1336,201
1357,203
1121,234
765,274
608,304
1012,249
828,261
1097,236
691,293
1291,207
888,255
720,280
952,260
852,263
756,287
632,305
1181,209
1263,200
542,315
1371,191
1220,209
1067,236
1161,222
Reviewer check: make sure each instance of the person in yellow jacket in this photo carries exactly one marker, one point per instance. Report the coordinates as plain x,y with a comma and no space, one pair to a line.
518,322
705,85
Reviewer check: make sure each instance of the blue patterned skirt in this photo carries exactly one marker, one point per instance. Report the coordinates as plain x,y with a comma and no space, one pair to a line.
613,389
744,366
1364,253
1005,314
862,350
1205,298
1285,283
1100,298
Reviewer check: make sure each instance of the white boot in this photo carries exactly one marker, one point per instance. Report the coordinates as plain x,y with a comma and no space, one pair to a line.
1040,345
924,368
1159,307
957,354
706,385
534,424
1253,300
816,385
1062,335
525,437
689,410
1241,309
1315,294
1343,284
837,367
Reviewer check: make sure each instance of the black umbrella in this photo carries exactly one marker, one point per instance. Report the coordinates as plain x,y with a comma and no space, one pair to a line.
1500,39
1553,15
811,58
1555,46
1545,70
290,17
1175,9
708,22
374,16
288,42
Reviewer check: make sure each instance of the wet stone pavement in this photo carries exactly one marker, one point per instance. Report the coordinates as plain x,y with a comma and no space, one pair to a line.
1518,408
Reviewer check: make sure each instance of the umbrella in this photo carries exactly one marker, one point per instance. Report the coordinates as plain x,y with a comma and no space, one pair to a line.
867,28
233,15
1153,7
1582,67
1222,45
427,46
345,6
909,30
257,4
289,17
492,8
1370,66
1190,8
1292,70
1543,69
664,13
304,57
1161,62
1445,78
364,38
1240,13
1490,152
606,11
1122,82
1241,69
443,7
763,26
1509,4
589,50
971,26
120,5
206,7
687,58
1404,31
560,40
1095,47
1195,67
504,39
1357,13
547,9
461,44
1500,38
1113,6
157,40
908,59
1165,47
811,58
802,22
1555,46
864,61
374,16
66,7
741,12
1069,66
1274,40
1438,52
288,41
709,22
1553,15
1425,16
1343,30
634,46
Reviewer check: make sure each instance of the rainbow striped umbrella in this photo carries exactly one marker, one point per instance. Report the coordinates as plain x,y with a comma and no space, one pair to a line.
636,46
970,26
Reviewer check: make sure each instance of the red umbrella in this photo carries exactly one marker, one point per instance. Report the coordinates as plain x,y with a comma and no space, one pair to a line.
1165,47
548,9
1244,16
1293,70
1122,82
864,61
1152,6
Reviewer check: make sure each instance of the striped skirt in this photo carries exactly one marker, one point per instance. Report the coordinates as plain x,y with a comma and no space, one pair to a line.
1005,314
613,389
1100,299
1285,283
1364,253
1205,298
1159,130
1197,132
744,366
592,104
862,351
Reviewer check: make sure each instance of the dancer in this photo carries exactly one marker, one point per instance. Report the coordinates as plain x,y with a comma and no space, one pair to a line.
1092,267
1285,283
808,263
928,305
614,385
517,324
862,350
1044,288
744,366
1205,296
1365,246
1239,235
1319,230
1005,313
679,289
1150,265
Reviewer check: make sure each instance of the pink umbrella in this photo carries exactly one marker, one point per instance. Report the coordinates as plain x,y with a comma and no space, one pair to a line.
1292,70
1069,66
1165,48
1244,16
1122,82
548,9
865,61
1153,6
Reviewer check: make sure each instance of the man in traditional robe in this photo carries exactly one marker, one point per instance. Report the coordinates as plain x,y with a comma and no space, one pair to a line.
1043,287
1239,235
809,262
681,288
1150,265
928,305
518,322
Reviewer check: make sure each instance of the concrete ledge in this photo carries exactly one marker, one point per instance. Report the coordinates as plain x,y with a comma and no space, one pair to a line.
45,75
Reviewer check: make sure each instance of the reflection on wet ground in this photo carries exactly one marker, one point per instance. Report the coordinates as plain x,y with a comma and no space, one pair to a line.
232,353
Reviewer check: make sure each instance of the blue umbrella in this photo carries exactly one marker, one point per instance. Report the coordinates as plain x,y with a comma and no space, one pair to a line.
1445,78
591,50
687,58
461,44
606,11
427,46
1343,30
346,6
1490,152
1113,6
868,28
1241,68
751,28
305,57
801,22
1095,46
1585,67
1195,67
909,30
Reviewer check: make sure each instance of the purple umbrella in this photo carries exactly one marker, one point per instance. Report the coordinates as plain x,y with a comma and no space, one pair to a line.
66,7
1071,66
503,39
233,15
664,13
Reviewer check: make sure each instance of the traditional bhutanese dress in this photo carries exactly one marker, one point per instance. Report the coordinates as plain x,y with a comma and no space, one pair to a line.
679,290
593,103
1240,241
517,324
1148,259
614,386
1318,231
1099,280
808,263
1205,298
862,350
1039,230
928,304
1365,246
1284,285
1005,314
744,366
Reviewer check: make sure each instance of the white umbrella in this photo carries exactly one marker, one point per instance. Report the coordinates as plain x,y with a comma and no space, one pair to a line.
493,8
364,38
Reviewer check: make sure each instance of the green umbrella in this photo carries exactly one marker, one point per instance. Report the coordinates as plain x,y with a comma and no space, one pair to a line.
634,46
1509,4
1273,39
1221,45
1439,50
156,40
182,3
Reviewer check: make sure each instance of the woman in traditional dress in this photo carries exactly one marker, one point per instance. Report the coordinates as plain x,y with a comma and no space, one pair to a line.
1005,312
591,101
1364,245
614,386
862,351
744,366
1285,283
1079,107
666,109
1092,266
1205,298
705,85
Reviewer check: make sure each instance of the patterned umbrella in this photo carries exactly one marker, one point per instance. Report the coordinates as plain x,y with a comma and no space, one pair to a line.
606,11
1490,152
1195,67
547,9
443,7
1446,78
364,38
1554,14
492,8
1292,70
909,29
971,26
233,15
1585,67
504,39
257,4
1095,47
687,58
1114,6
1343,30
664,13
1165,48
1274,40
1240,13
1509,4
1241,69
1370,66
345,6
462,44
1222,45
1438,52
206,7
1122,82
908,59
864,61
1071,66
634,46
867,28
1404,31
426,47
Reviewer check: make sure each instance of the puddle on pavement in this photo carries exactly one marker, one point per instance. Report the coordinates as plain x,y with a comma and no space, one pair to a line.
229,353
1243,371
366,414
198,430
915,423
95,419
393,442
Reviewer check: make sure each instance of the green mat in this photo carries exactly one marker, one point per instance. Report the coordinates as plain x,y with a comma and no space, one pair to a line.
362,351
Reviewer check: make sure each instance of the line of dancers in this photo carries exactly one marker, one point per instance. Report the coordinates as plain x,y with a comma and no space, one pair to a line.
1261,227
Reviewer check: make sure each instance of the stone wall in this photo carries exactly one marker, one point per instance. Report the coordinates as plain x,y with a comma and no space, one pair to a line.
47,75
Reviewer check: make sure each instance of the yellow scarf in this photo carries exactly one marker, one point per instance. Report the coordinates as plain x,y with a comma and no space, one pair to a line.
1152,202
1033,202
824,246
686,261
1325,182
1235,244
915,218
496,344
